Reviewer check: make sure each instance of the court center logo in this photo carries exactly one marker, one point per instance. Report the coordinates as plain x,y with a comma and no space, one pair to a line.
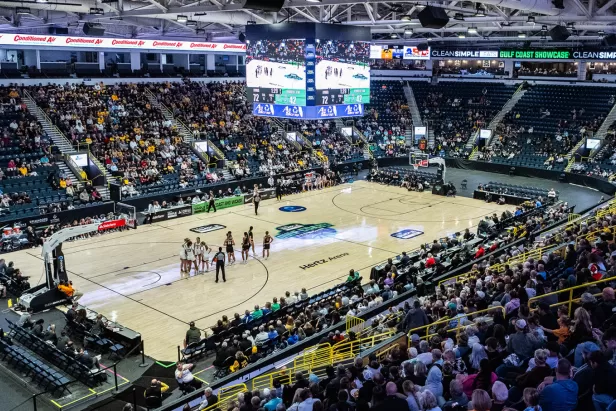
292,209
407,234
306,231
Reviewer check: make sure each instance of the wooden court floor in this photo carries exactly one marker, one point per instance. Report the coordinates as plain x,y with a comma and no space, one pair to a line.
134,277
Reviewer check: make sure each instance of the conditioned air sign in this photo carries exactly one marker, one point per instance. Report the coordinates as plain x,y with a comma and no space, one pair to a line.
535,54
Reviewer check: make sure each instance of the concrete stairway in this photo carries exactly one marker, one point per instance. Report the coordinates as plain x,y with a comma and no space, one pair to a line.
412,103
64,146
431,138
570,153
182,129
57,137
605,126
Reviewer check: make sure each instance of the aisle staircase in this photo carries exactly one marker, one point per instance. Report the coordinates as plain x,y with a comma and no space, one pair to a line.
57,137
607,123
64,145
495,122
570,158
431,139
412,103
182,129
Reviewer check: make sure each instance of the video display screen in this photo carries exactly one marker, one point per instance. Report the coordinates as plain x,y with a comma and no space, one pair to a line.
276,72
342,74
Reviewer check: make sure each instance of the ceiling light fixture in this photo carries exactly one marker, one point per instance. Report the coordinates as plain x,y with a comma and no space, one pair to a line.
471,30
406,17
458,16
394,36
570,26
522,35
181,18
22,10
601,32
95,11
461,36
544,28
481,11
191,23
530,19
408,31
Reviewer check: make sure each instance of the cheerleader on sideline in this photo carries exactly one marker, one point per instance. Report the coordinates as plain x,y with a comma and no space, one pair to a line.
203,250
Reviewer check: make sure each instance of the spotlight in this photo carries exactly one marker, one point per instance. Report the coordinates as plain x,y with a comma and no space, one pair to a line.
544,28
481,11
531,19
461,36
406,18
394,36
408,31
458,16
471,30
570,26
522,35
181,18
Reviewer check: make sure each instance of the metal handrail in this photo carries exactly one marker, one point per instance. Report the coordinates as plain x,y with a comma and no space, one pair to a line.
570,290
448,320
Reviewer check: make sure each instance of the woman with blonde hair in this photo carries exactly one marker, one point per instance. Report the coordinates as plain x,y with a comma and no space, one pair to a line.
481,401
427,402
296,400
581,329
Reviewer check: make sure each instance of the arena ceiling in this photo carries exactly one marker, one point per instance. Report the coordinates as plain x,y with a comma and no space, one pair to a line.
392,22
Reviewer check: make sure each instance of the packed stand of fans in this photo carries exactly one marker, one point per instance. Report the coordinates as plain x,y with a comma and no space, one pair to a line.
219,112
527,70
28,174
456,111
546,123
130,137
386,120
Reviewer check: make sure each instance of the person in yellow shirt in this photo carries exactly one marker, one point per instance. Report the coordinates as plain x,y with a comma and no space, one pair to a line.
83,175
154,393
62,183
23,170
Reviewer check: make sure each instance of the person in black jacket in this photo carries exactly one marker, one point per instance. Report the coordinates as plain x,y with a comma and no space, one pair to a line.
154,393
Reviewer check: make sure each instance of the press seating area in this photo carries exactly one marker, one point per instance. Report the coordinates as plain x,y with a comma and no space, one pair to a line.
557,133
419,173
517,190
51,354
456,110
29,365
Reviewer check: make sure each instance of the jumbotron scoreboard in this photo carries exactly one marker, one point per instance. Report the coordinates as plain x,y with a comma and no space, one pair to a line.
307,70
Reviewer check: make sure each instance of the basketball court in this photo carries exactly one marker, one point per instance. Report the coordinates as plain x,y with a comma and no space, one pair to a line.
134,278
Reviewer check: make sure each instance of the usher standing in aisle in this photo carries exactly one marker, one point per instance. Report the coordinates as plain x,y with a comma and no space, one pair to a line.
219,259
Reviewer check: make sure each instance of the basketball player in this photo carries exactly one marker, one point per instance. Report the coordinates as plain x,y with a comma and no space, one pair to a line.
256,199
252,241
197,253
229,243
190,258
183,256
267,240
219,259
203,250
245,247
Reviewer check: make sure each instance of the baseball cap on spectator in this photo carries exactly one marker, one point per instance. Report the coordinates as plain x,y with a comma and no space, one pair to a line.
521,324
415,338
481,295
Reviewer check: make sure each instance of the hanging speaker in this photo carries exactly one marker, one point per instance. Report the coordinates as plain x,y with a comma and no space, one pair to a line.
264,5
609,40
433,17
423,46
242,37
559,33
93,29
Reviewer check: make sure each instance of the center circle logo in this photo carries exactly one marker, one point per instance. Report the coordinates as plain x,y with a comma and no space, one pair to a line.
292,209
